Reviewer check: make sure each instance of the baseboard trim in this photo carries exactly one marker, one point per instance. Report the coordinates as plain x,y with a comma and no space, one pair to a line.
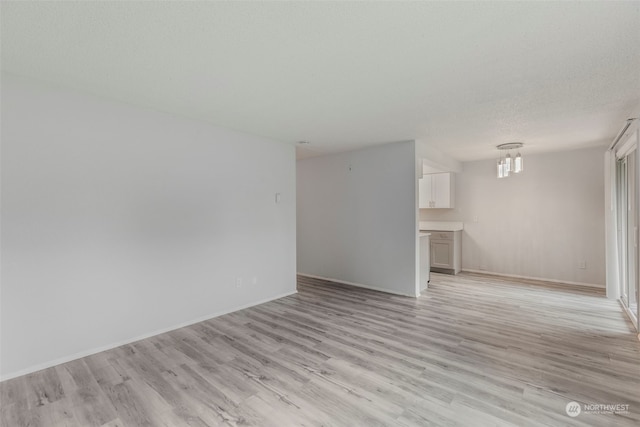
86,353
541,279
358,285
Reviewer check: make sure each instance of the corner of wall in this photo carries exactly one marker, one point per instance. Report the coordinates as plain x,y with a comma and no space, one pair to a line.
435,158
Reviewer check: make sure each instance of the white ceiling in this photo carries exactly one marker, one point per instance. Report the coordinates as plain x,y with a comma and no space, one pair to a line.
462,76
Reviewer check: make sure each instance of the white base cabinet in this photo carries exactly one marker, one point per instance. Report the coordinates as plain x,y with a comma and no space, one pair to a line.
425,261
446,251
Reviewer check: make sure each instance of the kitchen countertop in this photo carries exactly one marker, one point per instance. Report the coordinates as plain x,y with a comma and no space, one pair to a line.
441,226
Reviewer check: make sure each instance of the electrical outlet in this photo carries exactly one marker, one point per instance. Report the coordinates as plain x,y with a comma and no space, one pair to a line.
254,281
238,282
582,265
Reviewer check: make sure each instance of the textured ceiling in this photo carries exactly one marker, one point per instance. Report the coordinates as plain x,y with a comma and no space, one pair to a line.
462,76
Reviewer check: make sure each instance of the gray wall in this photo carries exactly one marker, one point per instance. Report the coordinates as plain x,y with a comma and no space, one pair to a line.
357,217
119,223
540,223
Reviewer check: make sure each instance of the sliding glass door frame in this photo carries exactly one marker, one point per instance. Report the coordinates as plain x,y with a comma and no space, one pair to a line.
627,220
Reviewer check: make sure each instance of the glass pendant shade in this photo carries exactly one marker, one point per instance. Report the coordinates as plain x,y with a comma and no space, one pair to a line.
518,164
508,163
503,172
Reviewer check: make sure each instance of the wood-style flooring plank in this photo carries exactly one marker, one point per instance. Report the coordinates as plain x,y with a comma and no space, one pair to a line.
473,350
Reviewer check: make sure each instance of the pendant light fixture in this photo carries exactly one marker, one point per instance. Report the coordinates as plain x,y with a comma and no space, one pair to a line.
507,165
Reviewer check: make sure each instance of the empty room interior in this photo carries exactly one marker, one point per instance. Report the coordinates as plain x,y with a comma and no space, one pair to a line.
319,213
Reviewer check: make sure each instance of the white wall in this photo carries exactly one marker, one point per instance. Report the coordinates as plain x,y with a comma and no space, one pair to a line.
434,160
119,222
357,217
540,223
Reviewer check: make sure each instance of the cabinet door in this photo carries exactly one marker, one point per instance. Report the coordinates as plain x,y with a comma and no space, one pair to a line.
441,193
424,192
436,190
441,254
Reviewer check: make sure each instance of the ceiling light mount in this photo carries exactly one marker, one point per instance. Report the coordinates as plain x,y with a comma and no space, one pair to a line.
510,146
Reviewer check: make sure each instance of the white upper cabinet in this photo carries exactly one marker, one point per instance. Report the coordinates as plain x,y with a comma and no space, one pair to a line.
424,192
437,191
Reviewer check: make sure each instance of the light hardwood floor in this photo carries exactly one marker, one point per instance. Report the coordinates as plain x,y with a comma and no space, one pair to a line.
473,351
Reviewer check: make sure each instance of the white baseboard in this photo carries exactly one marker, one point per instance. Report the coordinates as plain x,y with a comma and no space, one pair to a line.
541,279
358,285
86,353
